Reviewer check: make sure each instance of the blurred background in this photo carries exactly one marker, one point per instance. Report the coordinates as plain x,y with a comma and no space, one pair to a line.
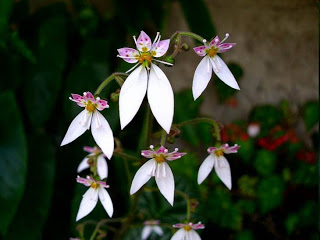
51,48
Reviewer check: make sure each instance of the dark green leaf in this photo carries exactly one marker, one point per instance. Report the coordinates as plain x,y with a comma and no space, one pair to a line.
39,187
311,114
13,159
246,150
265,162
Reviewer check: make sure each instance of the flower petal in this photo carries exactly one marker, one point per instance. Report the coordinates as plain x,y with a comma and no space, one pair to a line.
224,73
88,202
158,50
144,42
194,235
129,54
102,167
206,168
160,97
106,201
83,165
146,231
102,134
222,168
131,95
215,41
201,77
166,183
201,50
225,47
157,230
179,235
77,127
142,176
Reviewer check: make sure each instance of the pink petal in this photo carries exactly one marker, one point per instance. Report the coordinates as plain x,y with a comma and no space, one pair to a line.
162,149
129,54
233,149
147,153
89,96
88,149
102,104
144,42
225,47
175,156
201,51
215,41
158,50
78,99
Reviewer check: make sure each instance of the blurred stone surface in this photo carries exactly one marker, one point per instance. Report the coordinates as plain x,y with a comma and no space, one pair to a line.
277,47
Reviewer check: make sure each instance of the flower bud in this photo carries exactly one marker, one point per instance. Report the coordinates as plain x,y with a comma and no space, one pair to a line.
115,96
170,60
185,47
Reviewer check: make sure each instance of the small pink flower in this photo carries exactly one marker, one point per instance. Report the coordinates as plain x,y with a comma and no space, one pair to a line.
91,116
219,162
212,61
158,168
90,198
149,227
102,166
147,78
253,129
187,231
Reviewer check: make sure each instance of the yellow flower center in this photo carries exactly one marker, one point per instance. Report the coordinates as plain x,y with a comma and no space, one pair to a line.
218,153
159,158
90,106
187,228
94,185
145,57
212,52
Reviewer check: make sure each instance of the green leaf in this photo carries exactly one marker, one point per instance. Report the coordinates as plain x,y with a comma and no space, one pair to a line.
245,235
291,223
311,114
198,18
265,162
40,180
13,160
306,174
270,193
246,150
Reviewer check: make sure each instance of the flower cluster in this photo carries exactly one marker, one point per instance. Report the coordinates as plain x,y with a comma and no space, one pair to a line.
146,78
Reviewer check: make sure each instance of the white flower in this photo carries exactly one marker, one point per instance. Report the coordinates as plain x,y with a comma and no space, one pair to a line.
212,61
90,198
219,162
253,129
158,168
187,232
146,78
102,166
100,128
149,227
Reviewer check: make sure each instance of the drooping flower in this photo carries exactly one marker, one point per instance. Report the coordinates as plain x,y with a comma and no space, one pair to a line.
149,78
158,168
149,227
100,128
187,231
212,61
102,166
90,198
219,162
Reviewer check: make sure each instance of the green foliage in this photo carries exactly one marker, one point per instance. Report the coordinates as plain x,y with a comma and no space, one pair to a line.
265,162
246,150
311,114
13,164
305,174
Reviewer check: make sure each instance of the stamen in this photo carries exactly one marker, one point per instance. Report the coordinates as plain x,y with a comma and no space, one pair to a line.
166,150
124,57
132,68
155,39
151,146
227,35
84,93
176,149
98,98
134,39
163,62
70,98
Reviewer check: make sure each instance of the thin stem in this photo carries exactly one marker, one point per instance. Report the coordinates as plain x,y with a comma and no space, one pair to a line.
163,137
93,235
116,75
125,155
188,34
216,132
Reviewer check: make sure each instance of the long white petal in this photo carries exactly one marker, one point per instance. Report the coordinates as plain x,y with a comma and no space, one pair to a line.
88,202
102,167
157,230
142,176
201,77
179,235
146,231
160,97
222,168
106,201
205,168
83,165
194,235
225,74
166,183
131,95
77,127
102,133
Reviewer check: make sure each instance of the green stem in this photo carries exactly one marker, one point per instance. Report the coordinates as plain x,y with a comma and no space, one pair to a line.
116,76
125,155
216,132
187,34
163,137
